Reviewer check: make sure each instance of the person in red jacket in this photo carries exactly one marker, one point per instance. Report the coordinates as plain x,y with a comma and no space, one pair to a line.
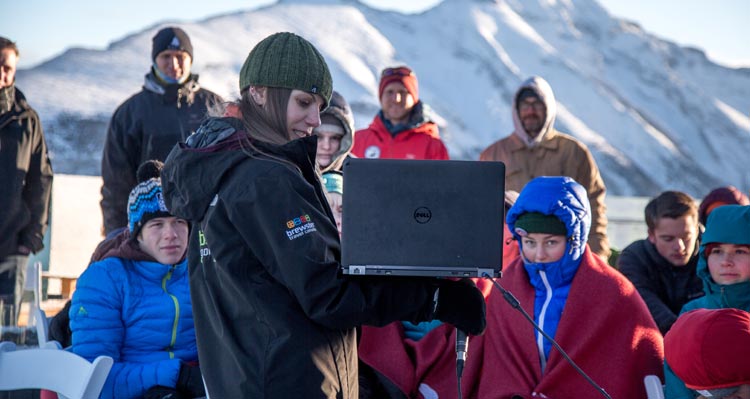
403,128
605,326
403,360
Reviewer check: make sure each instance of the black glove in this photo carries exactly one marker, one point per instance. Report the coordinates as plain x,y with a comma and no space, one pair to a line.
190,381
460,303
161,392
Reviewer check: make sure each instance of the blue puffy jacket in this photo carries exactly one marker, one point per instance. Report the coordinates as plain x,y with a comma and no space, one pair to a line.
564,198
139,313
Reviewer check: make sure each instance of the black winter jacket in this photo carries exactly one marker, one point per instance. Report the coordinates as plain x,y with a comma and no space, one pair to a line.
144,127
25,175
663,286
274,316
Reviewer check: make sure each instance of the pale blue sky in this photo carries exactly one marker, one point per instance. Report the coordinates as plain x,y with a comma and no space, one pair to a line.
45,28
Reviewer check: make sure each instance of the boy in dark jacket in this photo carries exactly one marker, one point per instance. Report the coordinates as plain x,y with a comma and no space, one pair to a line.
662,267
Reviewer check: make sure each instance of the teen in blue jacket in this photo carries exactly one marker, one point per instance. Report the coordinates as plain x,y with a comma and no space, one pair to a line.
134,305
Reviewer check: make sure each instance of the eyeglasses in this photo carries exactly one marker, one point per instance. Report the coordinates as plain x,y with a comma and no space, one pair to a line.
536,104
718,393
398,71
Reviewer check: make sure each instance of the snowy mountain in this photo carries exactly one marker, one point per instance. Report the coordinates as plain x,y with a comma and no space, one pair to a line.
655,115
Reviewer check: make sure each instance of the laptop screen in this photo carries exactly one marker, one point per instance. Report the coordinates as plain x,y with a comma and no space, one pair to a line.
422,218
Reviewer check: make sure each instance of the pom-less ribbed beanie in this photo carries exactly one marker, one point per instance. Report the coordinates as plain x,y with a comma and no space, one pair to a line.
289,61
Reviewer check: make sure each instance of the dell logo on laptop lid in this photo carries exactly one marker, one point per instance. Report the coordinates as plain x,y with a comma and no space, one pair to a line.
422,215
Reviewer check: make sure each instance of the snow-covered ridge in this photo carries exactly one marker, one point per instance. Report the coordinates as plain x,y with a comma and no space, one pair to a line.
655,115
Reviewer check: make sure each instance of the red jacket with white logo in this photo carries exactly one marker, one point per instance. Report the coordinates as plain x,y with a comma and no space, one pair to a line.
421,142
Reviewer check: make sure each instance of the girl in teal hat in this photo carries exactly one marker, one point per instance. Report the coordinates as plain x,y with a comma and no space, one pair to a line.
724,267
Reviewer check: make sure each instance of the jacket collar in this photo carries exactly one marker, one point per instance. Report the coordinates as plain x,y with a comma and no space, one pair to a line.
517,144
7,99
729,296
301,152
123,247
14,107
172,92
559,273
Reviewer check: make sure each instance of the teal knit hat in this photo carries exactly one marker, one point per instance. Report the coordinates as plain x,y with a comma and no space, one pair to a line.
289,61
333,181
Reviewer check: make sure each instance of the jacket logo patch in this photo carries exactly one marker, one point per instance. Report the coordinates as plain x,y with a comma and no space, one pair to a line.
372,151
205,251
299,226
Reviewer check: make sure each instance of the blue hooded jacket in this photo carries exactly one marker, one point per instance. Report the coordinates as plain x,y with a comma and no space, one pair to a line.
567,200
139,313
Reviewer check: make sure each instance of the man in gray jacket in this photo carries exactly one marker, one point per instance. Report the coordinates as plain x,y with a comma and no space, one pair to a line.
167,110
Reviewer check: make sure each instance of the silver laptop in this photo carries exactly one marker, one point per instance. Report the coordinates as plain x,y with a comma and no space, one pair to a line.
423,218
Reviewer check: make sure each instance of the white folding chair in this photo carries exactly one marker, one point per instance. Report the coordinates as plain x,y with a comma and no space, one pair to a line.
34,281
654,389
63,372
42,325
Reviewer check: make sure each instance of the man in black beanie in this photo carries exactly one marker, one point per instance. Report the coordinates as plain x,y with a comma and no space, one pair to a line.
167,110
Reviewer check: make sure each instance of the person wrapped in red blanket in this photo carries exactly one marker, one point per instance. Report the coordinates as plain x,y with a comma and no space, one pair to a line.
605,327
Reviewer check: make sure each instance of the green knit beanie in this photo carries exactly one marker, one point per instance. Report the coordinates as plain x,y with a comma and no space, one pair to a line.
289,61
535,222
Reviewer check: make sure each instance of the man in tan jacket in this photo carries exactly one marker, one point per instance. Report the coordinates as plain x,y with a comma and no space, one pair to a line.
535,149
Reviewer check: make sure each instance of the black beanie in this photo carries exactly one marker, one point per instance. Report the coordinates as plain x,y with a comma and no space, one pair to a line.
535,222
171,38
526,93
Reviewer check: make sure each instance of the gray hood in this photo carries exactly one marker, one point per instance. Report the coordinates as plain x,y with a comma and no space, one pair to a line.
340,109
544,91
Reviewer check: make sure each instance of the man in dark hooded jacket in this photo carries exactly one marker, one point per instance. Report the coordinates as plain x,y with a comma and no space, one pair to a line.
25,178
167,110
